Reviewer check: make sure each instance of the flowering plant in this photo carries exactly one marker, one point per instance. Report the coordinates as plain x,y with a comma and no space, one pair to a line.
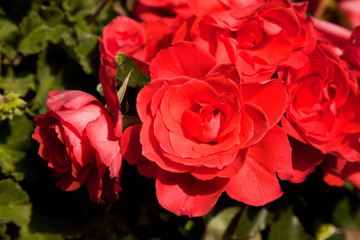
238,117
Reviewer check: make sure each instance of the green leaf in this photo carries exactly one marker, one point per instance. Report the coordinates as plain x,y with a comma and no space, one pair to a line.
56,34
30,22
35,41
14,143
26,234
52,16
7,28
78,9
8,51
287,226
49,78
86,48
254,220
125,65
14,203
218,225
20,84
122,90
346,213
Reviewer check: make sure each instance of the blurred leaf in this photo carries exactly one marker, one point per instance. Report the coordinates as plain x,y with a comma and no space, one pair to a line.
287,226
30,22
49,78
51,15
2,12
6,28
26,234
125,65
15,141
8,51
86,46
254,220
35,41
14,203
218,225
122,90
325,231
78,9
16,133
56,34
346,213
20,84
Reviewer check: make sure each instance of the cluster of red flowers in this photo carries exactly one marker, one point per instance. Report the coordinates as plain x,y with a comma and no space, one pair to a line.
242,94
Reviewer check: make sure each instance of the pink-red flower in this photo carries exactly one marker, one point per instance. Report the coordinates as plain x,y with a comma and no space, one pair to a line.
203,133
140,41
324,103
249,33
80,140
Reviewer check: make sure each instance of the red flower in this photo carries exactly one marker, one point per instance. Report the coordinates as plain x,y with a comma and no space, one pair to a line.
204,133
324,103
140,41
248,33
80,140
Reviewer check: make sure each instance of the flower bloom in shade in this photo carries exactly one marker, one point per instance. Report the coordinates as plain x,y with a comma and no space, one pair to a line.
324,105
249,32
203,132
140,41
351,8
336,170
80,140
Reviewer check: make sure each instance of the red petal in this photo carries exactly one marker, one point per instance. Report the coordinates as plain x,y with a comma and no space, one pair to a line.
107,79
182,59
305,158
183,194
271,97
68,99
100,134
257,183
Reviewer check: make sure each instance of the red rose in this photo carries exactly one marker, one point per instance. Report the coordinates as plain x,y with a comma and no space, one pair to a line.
80,140
248,33
204,133
324,103
140,41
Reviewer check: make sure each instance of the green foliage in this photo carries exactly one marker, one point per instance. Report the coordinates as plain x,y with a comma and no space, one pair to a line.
14,143
124,67
287,226
14,203
53,44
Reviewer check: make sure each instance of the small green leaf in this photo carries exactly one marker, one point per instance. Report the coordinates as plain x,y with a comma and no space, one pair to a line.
124,66
55,34
14,143
87,46
8,51
20,83
325,231
35,41
30,22
7,28
27,234
122,90
49,78
346,213
14,203
254,220
218,225
78,9
52,16
287,226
